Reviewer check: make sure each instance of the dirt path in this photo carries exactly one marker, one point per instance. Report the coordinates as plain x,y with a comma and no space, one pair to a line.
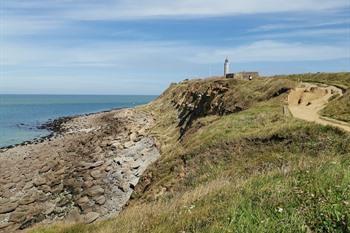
306,101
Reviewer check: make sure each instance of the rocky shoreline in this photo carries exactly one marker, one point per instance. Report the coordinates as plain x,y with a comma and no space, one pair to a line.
84,171
54,126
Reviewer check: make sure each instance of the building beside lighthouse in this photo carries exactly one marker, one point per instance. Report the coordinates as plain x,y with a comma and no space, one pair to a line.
241,75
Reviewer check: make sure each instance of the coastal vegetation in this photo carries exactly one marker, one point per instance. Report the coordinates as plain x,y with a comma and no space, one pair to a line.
232,160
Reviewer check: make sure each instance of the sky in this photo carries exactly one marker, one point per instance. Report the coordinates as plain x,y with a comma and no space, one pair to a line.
141,46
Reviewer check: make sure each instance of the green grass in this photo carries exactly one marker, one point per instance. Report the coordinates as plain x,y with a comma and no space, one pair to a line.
337,79
252,171
339,108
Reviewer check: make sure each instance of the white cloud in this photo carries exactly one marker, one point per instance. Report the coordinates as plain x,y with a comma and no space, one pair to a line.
328,33
138,9
17,26
267,51
21,17
164,56
300,24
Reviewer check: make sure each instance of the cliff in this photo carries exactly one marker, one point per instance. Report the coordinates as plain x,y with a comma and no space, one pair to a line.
232,160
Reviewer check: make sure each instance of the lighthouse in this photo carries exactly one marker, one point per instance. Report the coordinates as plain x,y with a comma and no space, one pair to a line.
226,67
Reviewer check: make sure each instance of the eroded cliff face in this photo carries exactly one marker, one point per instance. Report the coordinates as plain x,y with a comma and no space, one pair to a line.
200,98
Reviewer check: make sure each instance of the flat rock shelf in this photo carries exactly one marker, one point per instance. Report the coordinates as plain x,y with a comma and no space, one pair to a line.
84,173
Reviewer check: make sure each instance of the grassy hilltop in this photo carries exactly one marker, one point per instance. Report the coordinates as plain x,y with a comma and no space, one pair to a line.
232,161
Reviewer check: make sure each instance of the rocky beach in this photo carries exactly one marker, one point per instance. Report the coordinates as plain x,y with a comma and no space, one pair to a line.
85,171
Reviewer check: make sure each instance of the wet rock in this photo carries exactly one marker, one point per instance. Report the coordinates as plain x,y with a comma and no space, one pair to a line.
91,217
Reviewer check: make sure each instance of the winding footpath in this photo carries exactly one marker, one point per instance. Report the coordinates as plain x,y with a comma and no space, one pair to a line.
306,101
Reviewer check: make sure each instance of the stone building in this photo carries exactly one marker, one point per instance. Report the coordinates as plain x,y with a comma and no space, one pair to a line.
246,75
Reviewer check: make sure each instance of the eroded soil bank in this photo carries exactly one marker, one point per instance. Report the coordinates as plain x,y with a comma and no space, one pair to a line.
85,173
307,100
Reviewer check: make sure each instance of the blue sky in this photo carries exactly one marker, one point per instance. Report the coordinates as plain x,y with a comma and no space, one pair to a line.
141,46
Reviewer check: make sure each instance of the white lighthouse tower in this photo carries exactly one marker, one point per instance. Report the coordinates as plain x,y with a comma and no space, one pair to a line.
226,67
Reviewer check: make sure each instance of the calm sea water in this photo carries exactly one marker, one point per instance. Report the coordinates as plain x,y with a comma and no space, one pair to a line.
21,114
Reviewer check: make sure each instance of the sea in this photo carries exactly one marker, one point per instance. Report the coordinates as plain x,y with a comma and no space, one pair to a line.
20,115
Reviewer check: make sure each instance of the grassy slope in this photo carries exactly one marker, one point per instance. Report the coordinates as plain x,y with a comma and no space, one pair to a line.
252,171
339,108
